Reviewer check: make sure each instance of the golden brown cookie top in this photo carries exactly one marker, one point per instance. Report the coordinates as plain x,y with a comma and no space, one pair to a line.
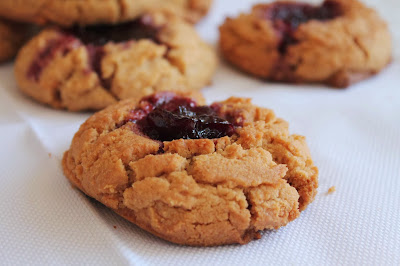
193,174
89,12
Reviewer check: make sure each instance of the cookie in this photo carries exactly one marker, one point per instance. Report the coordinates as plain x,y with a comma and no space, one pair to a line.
89,12
93,67
12,36
337,43
190,173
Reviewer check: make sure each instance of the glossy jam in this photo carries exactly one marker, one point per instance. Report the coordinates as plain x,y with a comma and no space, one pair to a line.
166,117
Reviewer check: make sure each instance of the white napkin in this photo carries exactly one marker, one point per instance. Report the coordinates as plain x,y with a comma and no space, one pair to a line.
353,134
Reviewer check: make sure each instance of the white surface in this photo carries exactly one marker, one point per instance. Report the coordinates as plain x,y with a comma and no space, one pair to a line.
353,134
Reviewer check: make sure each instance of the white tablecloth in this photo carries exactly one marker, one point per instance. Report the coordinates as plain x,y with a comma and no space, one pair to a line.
353,134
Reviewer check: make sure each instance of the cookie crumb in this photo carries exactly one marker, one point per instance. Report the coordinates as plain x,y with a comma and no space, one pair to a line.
115,227
331,190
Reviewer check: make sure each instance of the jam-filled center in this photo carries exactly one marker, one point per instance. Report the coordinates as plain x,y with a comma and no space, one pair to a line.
288,16
293,14
94,38
166,117
141,28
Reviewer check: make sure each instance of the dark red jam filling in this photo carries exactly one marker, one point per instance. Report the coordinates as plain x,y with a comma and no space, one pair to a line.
288,16
166,117
141,28
94,37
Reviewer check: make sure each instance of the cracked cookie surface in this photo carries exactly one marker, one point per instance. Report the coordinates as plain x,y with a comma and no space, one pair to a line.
337,43
84,68
201,191
12,37
89,12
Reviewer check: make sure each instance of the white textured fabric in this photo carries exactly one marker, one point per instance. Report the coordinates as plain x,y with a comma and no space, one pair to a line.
353,134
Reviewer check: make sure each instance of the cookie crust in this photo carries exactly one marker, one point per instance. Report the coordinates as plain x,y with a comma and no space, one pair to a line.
337,52
201,192
57,69
89,12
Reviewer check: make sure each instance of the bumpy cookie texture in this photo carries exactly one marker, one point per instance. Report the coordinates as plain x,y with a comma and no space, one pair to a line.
337,43
206,187
93,67
89,12
12,36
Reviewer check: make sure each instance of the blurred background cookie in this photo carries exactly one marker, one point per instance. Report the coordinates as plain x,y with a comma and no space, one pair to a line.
92,67
337,43
85,12
12,36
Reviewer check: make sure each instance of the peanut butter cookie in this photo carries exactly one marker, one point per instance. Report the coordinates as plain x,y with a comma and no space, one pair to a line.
337,43
190,173
92,67
89,12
